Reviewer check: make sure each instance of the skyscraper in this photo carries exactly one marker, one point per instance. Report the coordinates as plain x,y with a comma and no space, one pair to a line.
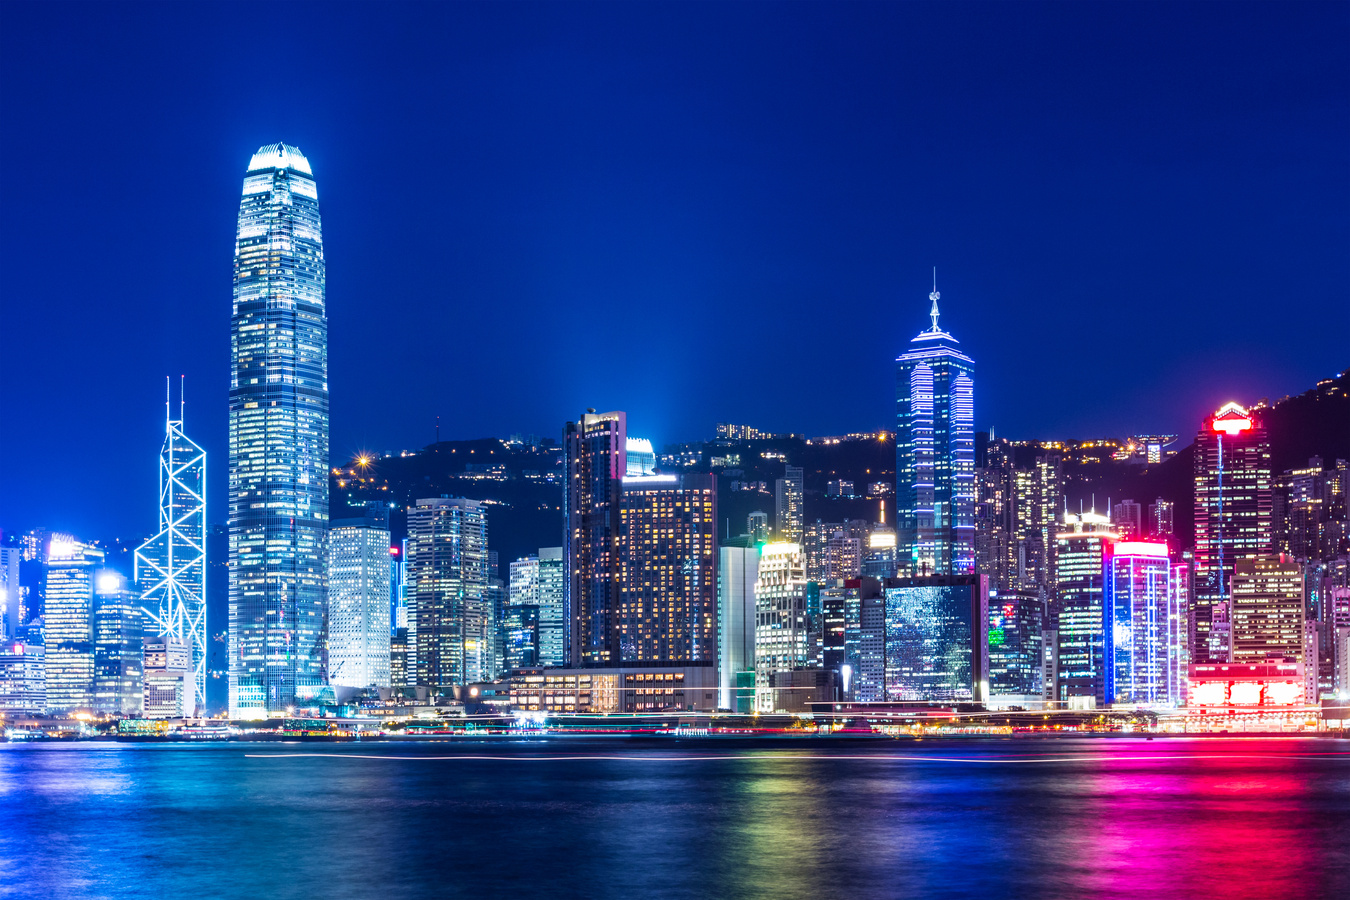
11,593
70,623
278,473
782,632
736,575
789,500
119,632
447,584
1139,591
358,600
935,454
1079,613
595,449
937,638
668,569
552,624
171,566
1233,505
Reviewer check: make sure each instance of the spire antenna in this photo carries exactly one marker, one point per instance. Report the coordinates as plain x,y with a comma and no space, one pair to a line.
182,396
934,297
167,414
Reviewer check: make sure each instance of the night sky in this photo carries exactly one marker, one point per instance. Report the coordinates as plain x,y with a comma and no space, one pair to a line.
693,212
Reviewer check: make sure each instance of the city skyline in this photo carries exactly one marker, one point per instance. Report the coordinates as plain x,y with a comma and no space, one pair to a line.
857,269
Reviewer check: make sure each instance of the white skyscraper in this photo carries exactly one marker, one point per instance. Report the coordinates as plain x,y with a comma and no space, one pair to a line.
358,601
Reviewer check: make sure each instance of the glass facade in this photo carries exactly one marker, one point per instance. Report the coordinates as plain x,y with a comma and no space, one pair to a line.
70,624
935,455
782,629
119,632
171,566
448,639
596,449
1079,612
1139,594
937,639
1016,652
278,439
358,602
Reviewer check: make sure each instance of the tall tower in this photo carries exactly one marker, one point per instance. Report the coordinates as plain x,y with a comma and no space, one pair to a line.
278,438
1233,506
596,453
171,566
935,454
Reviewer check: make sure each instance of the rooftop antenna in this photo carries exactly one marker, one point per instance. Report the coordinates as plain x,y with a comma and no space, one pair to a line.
182,396
934,297
167,414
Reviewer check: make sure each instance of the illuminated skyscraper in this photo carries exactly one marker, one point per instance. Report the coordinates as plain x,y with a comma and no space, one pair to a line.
358,600
782,632
447,586
789,500
937,638
119,632
668,569
736,576
596,462
1139,591
171,566
1233,505
11,592
1078,612
552,624
70,623
935,455
278,478
1269,609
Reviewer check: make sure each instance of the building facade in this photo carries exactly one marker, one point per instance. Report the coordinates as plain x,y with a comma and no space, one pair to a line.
119,632
1079,613
1233,509
69,619
937,638
935,455
358,600
782,629
447,584
1139,592
595,459
278,439
737,572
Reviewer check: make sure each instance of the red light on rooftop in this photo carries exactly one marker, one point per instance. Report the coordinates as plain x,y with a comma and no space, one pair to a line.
1231,420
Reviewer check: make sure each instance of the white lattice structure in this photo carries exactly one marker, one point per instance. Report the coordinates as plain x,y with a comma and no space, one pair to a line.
171,566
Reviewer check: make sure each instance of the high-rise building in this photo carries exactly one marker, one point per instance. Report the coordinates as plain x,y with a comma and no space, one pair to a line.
782,632
171,566
119,632
1161,518
737,572
834,550
23,678
937,638
995,515
11,592
552,622
595,451
168,677
667,610
1038,495
640,457
935,454
358,600
1181,623
1139,591
1305,511
1016,651
789,504
69,618
1128,518
1233,505
1269,609
447,582
757,526
278,472
1078,612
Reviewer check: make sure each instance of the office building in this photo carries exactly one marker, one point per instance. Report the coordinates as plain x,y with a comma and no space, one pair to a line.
23,679
358,600
995,519
170,567
168,678
1016,648
1233,506
278,439
1309,511
11,592
782,630
757,526
1078,613
1128,518
69,620
1181,623
835,550
667,610
1037,501
789,504
619,689
553,627
935,454
937,638
1161,519
1139,592
737,572
119,630
447,583
595,459
1268,610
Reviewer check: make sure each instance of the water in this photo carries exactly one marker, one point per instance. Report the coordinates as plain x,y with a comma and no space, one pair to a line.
1213,818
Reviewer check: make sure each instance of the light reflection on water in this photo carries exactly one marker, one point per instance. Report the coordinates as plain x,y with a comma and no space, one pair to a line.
1270,819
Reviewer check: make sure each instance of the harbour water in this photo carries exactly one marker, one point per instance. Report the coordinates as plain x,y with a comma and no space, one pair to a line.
566,817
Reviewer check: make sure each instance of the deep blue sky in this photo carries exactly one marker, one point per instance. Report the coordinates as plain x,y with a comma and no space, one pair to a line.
693,212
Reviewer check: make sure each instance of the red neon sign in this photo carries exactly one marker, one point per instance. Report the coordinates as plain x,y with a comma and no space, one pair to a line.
1231,420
